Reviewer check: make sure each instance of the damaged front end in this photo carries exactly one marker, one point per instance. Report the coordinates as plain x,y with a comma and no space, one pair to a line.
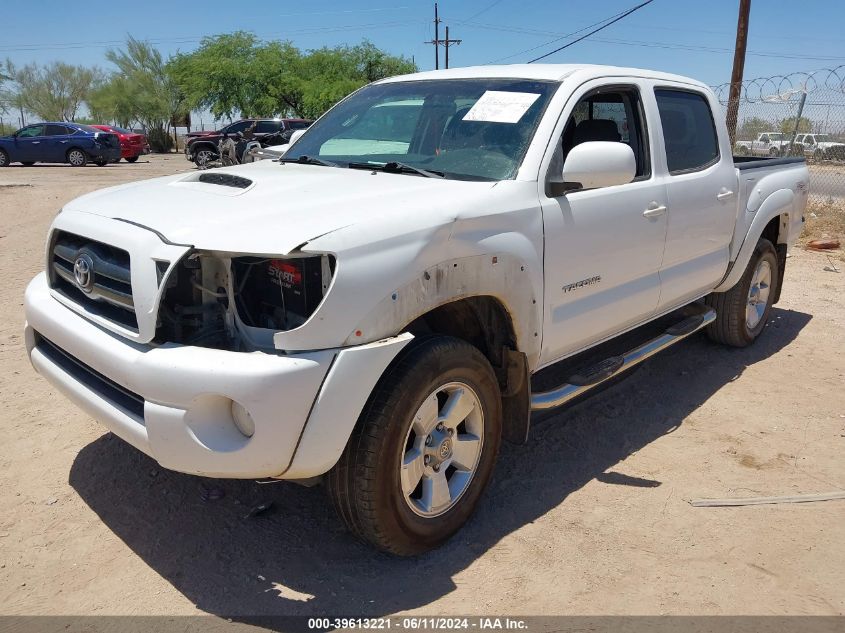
238,302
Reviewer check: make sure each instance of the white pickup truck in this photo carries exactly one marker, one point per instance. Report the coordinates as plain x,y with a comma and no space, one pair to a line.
767,144
372,309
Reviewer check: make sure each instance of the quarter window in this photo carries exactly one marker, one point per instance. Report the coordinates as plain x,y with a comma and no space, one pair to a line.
688,130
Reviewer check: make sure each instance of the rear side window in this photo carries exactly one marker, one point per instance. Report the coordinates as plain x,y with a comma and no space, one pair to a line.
268,127
688,130
57,130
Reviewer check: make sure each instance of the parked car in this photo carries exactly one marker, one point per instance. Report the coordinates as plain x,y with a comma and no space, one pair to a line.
132,144
375,309
59,143
201,148
821,147
767,144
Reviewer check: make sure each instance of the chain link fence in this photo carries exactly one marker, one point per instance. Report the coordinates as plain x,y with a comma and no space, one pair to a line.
800,114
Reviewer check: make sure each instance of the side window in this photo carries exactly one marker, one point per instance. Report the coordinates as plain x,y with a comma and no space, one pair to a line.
609,114
763,139
298,125
32,130
809,140
267,127
240,126
688,130
57,130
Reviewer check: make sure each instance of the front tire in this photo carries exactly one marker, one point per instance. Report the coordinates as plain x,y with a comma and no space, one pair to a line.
423,449
4,158
742,311
77,158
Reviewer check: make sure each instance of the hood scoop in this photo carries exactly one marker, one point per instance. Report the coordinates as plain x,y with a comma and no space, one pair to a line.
224,180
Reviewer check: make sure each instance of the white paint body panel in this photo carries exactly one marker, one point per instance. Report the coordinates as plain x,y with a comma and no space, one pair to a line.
403,245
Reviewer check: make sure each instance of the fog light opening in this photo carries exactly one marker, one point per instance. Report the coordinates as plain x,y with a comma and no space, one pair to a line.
243,420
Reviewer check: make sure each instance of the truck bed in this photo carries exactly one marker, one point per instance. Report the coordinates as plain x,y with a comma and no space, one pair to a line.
744,163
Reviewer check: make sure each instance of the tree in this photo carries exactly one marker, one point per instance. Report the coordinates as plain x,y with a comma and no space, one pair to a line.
237,74
787,125
54,92
142,90
752,127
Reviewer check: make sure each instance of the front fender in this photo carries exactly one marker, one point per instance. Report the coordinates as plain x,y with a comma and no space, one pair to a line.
500,275
780,203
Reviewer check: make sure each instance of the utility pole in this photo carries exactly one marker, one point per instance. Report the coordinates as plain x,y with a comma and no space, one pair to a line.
739,67
447,42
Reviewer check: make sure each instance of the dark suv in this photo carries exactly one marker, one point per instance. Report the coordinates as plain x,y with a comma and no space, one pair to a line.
201,147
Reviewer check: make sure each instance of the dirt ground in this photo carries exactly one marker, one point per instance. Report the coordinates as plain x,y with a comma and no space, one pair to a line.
592,516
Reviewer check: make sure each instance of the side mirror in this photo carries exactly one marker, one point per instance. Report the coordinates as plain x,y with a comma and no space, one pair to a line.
295,136
599,164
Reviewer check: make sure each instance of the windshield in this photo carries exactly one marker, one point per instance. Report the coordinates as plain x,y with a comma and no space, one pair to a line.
468,129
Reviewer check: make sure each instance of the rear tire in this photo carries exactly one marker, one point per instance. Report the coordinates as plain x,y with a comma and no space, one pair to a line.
77,158
742,311
423,449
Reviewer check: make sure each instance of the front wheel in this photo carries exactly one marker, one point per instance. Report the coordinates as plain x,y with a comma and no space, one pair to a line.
4,158
742,311
423,449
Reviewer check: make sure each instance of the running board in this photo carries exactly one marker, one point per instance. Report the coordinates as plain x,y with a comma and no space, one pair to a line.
608,368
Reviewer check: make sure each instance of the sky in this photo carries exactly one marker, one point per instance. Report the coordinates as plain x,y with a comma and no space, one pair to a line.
689,37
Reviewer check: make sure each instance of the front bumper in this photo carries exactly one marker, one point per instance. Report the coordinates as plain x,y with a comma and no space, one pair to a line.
174,402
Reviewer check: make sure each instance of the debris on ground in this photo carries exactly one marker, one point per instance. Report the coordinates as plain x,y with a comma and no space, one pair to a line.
756,501
823,245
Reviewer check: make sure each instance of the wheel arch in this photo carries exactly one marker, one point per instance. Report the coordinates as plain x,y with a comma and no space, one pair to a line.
773,221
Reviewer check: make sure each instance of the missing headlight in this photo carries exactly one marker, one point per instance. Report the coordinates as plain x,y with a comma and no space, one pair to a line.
280,293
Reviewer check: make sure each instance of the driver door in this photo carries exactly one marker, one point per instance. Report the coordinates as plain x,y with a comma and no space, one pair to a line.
603,246
29,144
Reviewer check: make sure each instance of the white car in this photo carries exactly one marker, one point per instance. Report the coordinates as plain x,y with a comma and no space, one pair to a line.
821,146
767,144
371,308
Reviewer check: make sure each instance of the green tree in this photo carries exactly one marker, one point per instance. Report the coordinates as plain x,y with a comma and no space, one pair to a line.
237,74
752,127
787,125
142,90
54,92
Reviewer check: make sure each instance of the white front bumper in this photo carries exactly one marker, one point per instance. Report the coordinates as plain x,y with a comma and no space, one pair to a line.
185,422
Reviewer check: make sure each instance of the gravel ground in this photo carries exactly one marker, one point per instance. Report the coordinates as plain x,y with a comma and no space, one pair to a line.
590,517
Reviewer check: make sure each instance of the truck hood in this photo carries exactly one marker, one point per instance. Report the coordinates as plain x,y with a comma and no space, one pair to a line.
281,208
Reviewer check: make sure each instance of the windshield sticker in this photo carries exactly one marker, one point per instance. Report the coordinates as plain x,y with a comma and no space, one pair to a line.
496,106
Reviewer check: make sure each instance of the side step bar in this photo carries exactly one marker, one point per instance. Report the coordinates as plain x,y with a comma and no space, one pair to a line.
615,365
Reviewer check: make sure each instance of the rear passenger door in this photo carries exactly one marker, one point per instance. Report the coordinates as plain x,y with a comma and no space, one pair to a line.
702,185
56,143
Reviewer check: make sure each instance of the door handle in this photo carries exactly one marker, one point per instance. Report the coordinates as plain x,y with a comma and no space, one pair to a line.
35,142
654,211
724,195
62,141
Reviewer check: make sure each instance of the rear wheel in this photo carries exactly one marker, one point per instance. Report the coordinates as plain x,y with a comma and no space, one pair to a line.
742,311
77,158
423,449
4,158
131,159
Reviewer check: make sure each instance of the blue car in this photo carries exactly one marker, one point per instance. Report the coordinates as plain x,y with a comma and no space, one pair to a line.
59,143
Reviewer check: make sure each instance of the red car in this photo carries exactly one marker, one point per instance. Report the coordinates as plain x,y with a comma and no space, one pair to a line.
132,145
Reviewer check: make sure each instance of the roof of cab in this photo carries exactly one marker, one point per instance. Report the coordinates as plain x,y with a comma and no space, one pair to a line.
541,72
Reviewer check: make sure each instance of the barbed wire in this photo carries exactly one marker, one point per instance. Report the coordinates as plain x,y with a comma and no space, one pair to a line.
784,87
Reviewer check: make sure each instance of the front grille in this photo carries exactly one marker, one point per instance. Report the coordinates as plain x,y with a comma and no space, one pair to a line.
118,396
107,288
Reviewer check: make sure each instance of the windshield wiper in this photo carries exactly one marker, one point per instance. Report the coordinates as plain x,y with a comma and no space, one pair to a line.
399,168
308,160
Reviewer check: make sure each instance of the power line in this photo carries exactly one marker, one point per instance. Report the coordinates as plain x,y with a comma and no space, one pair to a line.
557,39
583,37
484,10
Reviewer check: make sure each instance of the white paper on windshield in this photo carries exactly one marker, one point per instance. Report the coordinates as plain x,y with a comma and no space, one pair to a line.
496,106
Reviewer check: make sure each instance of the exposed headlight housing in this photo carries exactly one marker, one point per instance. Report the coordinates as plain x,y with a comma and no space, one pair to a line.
280,293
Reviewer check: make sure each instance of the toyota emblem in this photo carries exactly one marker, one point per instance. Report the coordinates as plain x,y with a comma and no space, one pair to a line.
83,272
